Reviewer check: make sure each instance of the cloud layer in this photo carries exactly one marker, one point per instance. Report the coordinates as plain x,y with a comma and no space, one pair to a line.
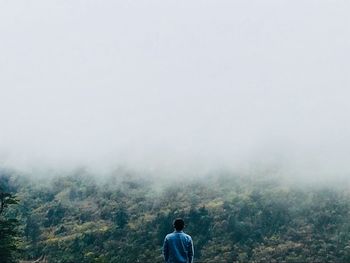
175,84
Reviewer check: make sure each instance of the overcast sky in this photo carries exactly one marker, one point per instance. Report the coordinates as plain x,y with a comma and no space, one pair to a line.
174,84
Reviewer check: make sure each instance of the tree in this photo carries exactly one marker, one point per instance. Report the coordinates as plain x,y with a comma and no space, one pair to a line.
8,230
121,217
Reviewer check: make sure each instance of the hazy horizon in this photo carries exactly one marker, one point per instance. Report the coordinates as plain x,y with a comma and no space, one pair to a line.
175,85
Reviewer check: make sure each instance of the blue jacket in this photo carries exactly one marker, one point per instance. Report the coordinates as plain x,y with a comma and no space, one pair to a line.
178,248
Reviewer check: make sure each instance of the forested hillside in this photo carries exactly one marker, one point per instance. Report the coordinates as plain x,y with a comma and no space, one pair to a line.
124,218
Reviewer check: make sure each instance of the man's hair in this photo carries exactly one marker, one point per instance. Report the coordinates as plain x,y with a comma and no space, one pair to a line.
179,224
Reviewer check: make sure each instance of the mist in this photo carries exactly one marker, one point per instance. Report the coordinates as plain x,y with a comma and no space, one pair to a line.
175,86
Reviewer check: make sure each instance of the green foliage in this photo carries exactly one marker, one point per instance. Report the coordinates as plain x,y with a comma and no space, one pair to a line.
231,219
8,227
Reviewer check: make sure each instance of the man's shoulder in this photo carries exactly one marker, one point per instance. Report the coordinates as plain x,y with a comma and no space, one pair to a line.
187,235
174,234
169,235
182,233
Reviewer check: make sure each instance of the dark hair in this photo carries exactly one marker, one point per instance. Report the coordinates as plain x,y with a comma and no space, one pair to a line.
179,224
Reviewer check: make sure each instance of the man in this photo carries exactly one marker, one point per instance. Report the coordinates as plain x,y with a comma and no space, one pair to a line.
178,246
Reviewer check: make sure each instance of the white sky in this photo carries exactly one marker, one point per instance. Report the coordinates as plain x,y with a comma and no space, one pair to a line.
174,84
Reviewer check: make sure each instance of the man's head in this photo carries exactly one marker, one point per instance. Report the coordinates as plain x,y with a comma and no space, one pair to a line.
179,224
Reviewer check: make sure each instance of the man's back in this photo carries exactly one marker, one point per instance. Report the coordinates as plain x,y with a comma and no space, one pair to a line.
178,248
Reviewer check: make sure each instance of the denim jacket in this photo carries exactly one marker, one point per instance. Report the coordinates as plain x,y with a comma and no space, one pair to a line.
178,248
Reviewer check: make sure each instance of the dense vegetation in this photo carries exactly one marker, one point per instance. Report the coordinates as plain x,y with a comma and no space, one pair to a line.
9,245
124,218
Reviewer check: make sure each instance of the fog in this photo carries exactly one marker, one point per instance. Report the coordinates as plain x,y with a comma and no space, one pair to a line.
175,85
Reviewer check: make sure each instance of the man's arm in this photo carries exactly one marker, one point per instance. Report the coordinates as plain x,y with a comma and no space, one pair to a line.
190,252
166,249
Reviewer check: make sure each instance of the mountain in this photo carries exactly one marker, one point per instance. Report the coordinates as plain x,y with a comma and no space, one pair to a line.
231,218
